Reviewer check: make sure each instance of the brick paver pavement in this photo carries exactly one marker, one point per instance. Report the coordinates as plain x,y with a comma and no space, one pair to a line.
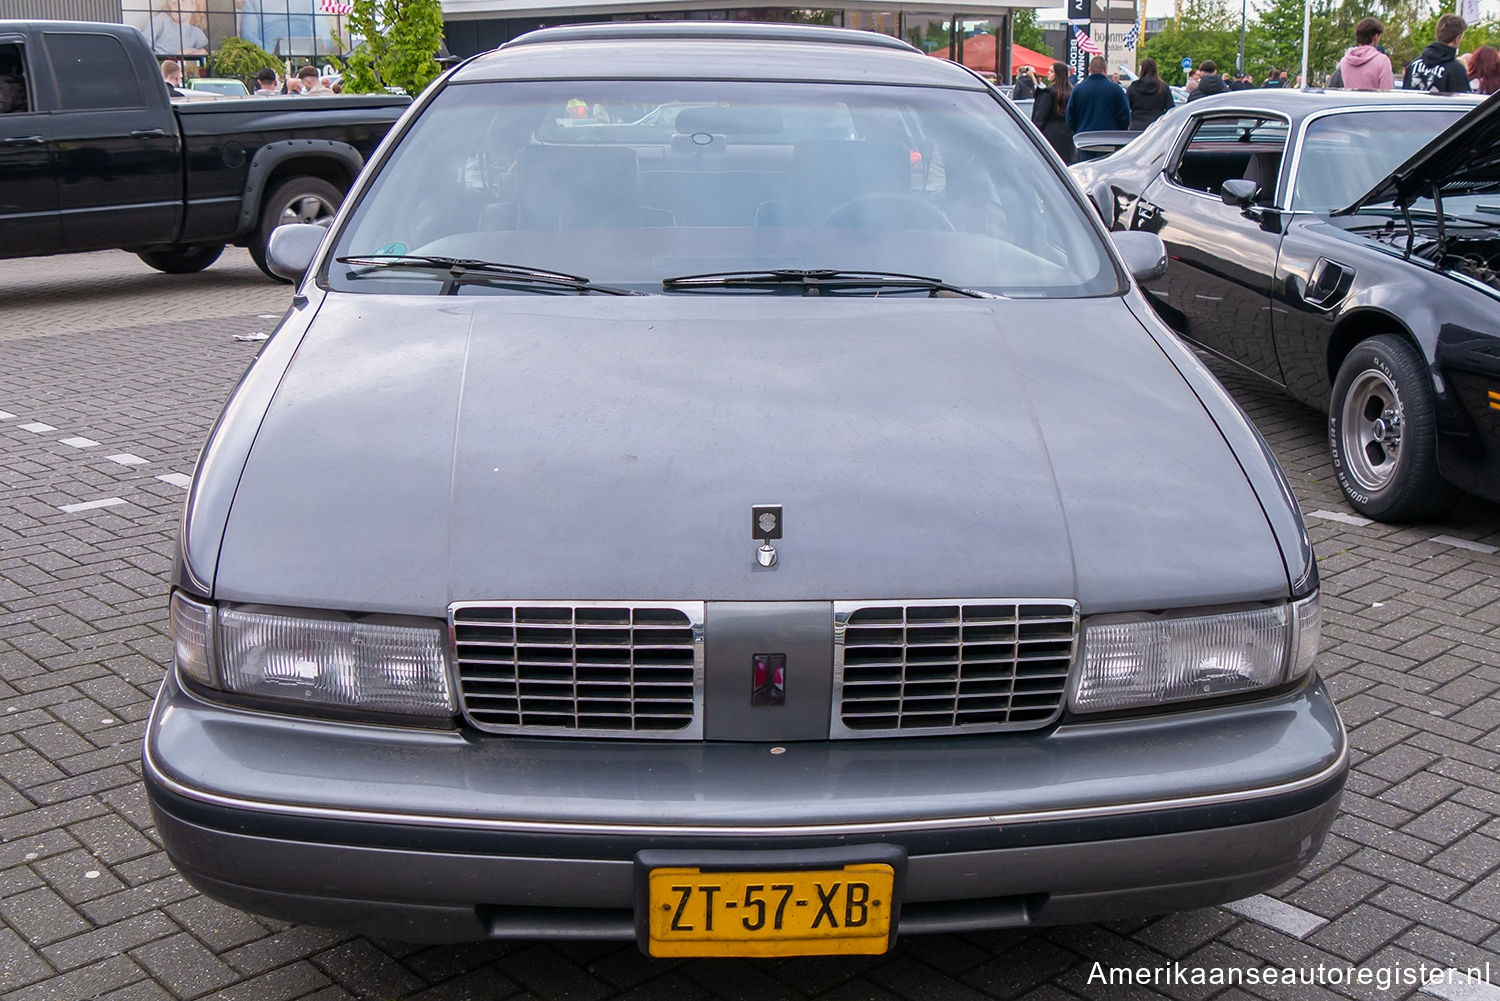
105,396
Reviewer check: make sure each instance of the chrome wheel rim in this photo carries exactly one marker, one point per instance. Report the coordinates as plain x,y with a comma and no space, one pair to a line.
308,209
1371,431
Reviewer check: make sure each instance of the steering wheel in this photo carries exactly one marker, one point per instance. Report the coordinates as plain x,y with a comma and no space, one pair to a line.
887,210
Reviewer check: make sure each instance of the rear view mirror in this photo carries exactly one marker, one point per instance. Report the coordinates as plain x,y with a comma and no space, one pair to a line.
1239,192
734,121
291,248
1145,255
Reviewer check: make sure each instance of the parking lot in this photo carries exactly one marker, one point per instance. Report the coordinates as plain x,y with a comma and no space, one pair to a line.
110,375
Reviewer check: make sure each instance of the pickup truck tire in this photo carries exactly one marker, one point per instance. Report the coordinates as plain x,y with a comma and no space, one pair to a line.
182,260
297,199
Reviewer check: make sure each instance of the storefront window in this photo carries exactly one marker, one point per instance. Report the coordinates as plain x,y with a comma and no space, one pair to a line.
191,30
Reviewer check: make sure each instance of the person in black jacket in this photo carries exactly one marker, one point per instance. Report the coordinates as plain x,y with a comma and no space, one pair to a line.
1149,96
1209,83
1025,88
1437,68
1049,112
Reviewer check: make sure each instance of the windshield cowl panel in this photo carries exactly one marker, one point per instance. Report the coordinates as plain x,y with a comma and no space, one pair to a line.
631,182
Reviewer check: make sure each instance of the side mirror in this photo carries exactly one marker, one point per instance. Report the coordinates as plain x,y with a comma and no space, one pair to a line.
1239,192
1145,255
290,251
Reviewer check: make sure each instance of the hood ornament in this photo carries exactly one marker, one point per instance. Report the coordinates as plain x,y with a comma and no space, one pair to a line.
765,525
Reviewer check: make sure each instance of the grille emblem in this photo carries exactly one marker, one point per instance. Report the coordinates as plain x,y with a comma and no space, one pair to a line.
768,680
765,525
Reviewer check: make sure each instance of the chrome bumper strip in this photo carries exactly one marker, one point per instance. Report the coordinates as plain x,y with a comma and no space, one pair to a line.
780,830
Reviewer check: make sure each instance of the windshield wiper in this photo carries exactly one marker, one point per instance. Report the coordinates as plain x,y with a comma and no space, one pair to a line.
464,271
817,280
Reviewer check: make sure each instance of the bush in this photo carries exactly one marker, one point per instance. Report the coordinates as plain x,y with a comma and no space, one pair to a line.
240,59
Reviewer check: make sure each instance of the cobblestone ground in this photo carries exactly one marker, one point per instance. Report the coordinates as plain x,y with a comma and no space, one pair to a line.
109,377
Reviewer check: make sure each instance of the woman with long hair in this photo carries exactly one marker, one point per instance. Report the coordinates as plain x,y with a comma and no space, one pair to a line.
1149,96
1484,69
1049,111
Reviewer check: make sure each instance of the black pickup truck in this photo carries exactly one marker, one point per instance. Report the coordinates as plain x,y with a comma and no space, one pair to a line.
94,154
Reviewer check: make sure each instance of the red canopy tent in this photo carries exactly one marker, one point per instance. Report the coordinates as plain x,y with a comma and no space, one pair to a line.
979,55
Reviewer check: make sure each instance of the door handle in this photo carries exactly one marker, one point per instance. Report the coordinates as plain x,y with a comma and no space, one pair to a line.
23,141
147,134
1145,210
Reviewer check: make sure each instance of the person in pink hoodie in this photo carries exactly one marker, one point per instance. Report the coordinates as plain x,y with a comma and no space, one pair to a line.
1365,67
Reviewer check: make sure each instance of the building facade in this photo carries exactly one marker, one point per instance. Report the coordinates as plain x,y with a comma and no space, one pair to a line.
315,31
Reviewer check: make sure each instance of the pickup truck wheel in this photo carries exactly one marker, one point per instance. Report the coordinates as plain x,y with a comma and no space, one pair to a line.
1382,432
298,199
182,260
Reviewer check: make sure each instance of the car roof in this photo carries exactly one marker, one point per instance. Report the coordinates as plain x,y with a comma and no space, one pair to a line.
1300,104
33,25
714,51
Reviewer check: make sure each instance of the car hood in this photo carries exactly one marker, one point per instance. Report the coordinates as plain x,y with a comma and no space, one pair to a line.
1464,159
420,451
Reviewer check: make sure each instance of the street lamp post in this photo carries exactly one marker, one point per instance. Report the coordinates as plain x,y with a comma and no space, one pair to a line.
1106,36
1306,33
1239,66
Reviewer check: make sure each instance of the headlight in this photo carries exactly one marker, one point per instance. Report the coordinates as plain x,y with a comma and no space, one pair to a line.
1129,664
312,661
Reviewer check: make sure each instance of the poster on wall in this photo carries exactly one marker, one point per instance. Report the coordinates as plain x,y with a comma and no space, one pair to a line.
288,27
174,27
185,29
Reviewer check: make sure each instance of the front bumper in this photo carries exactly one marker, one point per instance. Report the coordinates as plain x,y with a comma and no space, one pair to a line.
442,836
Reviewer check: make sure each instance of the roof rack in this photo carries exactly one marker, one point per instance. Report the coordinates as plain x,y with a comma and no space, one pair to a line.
751,31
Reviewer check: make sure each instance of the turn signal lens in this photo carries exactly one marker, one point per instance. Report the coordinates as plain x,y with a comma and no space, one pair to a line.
192,638
1309,623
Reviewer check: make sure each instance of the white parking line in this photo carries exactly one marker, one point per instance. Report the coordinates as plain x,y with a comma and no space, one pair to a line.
1478,547
6,415
80,442
176,479
91,505
1347,519
126,459
36,427
1285,918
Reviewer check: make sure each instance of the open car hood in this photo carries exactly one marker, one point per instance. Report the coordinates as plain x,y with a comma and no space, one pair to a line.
1463,160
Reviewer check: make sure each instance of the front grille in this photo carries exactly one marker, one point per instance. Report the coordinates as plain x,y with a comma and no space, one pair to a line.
581,668
956,667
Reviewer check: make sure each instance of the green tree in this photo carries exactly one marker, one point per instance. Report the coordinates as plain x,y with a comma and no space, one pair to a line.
398,47
1208,29
240,59
1274,41
1409,28
1025,31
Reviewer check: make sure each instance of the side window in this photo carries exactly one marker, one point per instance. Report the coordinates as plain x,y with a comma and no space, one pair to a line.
15,94
1224,147
92,72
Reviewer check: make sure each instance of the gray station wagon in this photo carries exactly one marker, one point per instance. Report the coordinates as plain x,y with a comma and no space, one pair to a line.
720,486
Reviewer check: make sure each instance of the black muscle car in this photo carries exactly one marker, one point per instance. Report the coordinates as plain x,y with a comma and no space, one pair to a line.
1344,245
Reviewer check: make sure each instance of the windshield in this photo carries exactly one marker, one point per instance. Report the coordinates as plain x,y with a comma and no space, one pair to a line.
1345,155
628,183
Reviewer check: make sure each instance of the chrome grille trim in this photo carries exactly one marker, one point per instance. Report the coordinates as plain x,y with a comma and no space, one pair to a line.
965,665
580,668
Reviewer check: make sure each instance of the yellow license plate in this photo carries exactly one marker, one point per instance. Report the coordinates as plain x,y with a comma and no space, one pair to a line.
803,912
